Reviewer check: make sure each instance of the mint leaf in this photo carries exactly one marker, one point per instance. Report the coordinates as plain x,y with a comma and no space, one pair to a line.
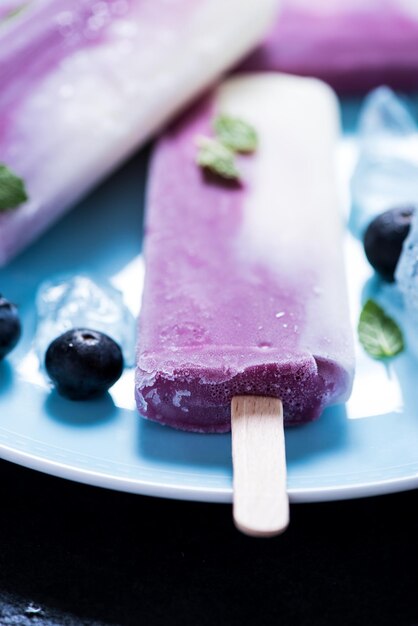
14,12
217,158
378,333
12,189
236,134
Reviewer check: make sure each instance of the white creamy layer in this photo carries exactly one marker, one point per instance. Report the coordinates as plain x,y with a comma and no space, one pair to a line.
292,219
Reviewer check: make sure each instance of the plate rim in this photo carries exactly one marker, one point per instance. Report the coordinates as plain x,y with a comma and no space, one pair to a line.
161,489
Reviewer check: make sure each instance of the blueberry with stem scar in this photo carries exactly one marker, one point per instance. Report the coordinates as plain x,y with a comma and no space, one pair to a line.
83,363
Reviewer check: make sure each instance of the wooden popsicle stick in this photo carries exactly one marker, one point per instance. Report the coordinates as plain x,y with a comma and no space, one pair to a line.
261,504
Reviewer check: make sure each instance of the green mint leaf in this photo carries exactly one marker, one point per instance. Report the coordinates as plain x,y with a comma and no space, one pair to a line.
236,134
12,189
217,158
378,333
14,12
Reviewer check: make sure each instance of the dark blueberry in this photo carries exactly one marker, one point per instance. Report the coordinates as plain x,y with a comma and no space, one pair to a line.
83,363
384,237
10,328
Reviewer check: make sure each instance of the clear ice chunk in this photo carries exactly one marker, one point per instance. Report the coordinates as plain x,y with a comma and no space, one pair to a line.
406,274
384,116
78,301
386,174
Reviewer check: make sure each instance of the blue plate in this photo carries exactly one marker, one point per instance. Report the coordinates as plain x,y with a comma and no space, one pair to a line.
367,447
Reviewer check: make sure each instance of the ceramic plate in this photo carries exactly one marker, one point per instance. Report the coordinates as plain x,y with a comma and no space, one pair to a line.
366,447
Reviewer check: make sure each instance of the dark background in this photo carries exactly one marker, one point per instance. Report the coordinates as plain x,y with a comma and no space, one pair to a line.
88,556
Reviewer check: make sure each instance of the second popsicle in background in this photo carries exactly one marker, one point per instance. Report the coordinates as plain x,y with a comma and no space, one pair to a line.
84,83
354,45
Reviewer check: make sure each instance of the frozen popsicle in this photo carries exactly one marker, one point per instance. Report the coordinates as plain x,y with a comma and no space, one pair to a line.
245,291
244,307
354,45
84,82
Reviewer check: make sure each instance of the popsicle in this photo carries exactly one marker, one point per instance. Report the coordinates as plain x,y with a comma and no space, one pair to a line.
84,82
244,307
245,290
354,45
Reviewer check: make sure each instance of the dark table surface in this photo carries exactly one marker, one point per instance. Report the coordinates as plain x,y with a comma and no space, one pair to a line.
76,555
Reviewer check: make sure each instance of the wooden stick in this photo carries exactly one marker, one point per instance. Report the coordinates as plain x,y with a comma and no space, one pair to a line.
261,505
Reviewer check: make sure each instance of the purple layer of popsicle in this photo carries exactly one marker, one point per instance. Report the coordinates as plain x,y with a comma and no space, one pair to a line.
201,306
353,48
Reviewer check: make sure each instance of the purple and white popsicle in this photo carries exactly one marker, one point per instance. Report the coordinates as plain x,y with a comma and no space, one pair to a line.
83,83
245,289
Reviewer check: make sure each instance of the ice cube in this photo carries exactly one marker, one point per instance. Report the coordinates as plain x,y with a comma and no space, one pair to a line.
386,174
77,301
406,274
384,115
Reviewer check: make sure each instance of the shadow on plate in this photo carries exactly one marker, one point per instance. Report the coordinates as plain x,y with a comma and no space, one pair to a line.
163,444
327,433
81,413
6,376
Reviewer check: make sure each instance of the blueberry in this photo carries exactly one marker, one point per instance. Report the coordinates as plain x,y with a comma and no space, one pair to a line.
83,363
384,238
10,328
